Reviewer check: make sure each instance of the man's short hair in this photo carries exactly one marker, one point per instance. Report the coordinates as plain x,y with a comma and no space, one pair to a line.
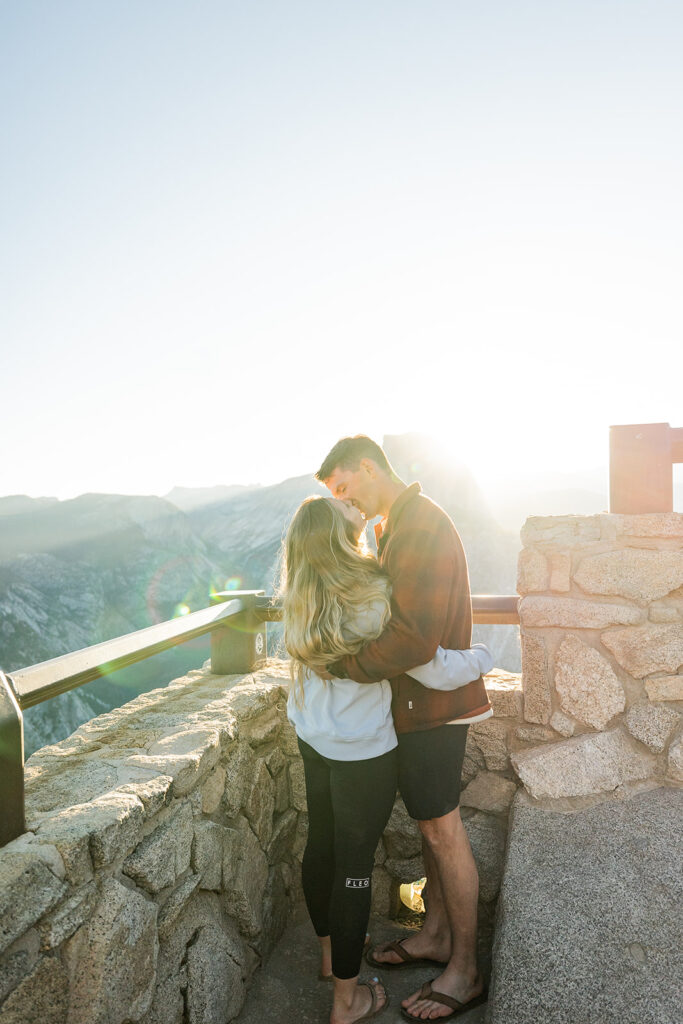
347,454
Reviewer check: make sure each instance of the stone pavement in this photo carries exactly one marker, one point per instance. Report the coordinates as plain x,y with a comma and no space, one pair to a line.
286,990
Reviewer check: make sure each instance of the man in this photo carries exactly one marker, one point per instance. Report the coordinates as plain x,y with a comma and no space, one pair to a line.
420,548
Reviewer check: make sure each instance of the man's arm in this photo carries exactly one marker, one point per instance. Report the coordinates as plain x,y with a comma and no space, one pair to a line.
421,565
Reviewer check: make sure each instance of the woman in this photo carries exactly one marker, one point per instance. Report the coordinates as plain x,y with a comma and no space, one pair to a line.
335,598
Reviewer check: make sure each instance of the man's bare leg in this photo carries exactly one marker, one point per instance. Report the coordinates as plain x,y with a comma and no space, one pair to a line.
457,873
436,929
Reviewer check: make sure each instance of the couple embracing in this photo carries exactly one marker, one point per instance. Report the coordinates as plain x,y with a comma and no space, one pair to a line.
384,686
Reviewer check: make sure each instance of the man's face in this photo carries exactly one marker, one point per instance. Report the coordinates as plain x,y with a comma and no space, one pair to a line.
358,486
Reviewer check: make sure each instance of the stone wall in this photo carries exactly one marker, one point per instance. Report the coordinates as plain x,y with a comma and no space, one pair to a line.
161,858
602,654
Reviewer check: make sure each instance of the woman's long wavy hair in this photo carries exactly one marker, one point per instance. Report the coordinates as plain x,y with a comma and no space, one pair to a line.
327,576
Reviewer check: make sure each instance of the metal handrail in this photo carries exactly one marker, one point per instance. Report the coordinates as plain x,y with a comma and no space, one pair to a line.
39,683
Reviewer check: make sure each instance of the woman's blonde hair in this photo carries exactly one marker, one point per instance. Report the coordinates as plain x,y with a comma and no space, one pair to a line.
328,577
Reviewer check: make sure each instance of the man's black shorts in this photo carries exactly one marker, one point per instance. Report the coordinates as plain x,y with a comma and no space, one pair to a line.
429,770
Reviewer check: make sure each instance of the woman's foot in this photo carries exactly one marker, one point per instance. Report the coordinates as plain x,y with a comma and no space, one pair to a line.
362,1001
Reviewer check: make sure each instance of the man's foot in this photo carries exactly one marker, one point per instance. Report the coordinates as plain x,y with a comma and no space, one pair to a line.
369,998
455,987
417,946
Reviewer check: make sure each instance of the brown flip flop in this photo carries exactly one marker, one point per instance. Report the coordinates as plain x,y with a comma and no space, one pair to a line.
407,959
427,992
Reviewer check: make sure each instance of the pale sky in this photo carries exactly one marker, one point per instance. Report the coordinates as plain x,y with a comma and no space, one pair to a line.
234,232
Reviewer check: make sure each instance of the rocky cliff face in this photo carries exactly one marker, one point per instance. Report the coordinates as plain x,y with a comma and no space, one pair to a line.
74,573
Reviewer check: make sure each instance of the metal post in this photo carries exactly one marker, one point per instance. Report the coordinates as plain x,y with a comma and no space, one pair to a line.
12,821
239,645
641,476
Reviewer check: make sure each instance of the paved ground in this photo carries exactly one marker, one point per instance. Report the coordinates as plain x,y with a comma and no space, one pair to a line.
286,990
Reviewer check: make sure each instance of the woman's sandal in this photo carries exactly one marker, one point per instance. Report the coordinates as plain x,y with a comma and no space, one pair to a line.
328,977
407,959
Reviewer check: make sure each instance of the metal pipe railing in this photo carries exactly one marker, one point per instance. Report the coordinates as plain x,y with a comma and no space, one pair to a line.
235,621
40,682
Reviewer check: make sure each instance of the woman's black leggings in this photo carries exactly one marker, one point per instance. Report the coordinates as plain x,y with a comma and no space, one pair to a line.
349,803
